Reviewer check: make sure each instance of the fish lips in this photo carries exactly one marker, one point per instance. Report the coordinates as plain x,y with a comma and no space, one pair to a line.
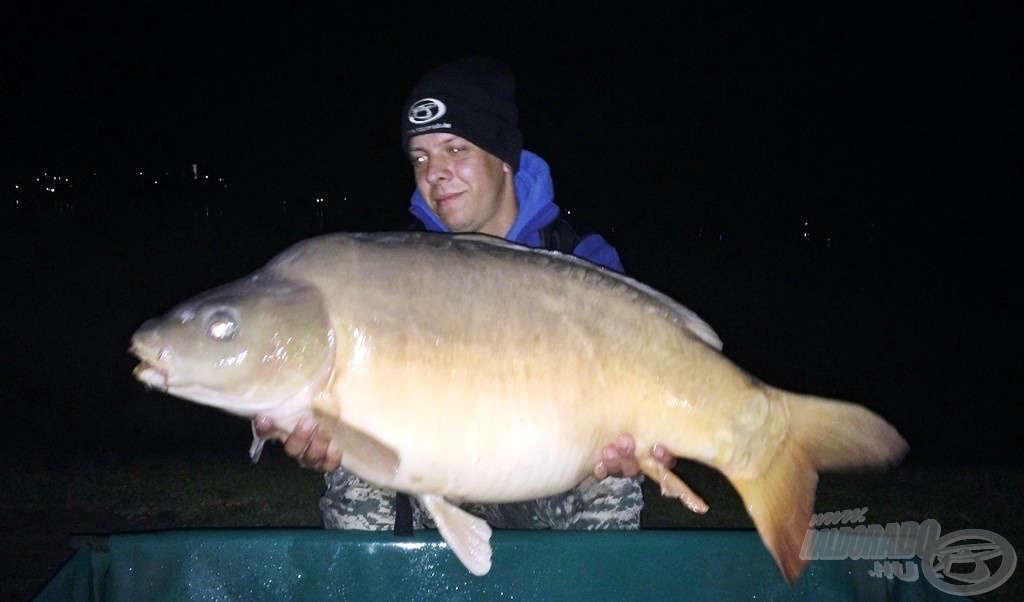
149,370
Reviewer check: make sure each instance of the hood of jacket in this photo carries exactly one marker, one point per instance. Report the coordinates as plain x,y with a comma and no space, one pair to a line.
535,193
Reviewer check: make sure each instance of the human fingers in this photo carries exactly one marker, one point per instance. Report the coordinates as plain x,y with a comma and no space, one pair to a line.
266,429
659,453
319,452
618,458
628,464
301,444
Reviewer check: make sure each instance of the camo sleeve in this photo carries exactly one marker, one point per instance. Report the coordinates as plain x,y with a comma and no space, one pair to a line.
612,503
609,504
351,503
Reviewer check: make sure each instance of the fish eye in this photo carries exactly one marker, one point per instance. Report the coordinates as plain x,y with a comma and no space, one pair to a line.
221,326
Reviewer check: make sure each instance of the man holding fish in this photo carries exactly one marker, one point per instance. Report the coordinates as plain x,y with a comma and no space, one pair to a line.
460,132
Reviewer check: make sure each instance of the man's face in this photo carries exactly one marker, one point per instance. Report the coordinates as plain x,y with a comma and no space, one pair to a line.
468,188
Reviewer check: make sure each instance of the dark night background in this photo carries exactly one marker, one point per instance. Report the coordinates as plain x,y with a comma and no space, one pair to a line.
833,188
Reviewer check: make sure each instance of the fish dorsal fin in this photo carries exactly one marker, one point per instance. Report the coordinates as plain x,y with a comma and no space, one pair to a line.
468,536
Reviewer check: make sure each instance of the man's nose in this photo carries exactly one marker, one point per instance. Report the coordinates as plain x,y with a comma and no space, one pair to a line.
437,169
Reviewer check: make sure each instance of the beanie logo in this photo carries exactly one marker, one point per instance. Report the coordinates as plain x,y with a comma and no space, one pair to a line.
426,110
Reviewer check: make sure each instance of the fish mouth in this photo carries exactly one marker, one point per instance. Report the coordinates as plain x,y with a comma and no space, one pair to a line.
149,371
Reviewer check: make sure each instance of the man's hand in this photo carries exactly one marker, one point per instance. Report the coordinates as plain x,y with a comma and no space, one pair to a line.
309,446
619,458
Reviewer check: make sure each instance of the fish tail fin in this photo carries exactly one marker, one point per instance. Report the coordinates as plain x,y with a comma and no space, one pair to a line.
841,435
824,434
780,501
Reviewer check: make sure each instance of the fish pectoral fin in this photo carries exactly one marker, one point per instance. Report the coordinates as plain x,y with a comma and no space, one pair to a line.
671,485
256,449
361,452
468,536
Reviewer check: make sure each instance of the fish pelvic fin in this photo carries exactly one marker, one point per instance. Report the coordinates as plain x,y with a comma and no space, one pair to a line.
823,434
468,536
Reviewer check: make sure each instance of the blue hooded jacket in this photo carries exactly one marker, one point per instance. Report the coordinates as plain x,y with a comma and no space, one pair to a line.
535,192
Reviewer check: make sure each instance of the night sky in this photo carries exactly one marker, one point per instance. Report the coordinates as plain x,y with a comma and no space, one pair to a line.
827,186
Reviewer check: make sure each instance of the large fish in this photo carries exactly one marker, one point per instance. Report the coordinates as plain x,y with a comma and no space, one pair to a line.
467,369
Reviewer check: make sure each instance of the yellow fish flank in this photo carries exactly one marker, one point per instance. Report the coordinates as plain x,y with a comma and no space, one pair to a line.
468,369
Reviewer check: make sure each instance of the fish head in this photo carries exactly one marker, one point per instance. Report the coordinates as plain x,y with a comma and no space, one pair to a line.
263,344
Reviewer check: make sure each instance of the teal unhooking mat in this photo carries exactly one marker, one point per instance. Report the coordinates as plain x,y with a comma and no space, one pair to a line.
270,564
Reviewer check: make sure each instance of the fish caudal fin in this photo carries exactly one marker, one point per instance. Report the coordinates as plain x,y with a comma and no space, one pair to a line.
468,536
823,435
780,501
839,435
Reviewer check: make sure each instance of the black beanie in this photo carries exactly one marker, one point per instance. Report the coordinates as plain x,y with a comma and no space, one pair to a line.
473,98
